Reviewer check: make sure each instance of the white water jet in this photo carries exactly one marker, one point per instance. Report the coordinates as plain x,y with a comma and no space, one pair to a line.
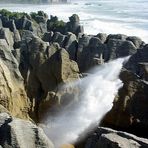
97,92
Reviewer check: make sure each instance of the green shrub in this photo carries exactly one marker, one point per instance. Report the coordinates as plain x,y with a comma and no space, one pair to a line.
53,24
9,14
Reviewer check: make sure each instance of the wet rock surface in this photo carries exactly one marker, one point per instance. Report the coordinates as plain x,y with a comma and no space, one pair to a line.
20,133
108,138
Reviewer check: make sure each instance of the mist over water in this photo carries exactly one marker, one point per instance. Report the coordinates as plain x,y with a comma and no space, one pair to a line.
96,95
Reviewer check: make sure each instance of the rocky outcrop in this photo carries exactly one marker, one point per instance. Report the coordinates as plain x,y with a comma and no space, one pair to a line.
119,48
74,25
108,138
91,54
20,133
12,92
49,66
138,63
38,55
1,25
7,35
129,111
94,50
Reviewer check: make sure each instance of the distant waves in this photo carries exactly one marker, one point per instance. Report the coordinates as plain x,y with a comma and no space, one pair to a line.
108,16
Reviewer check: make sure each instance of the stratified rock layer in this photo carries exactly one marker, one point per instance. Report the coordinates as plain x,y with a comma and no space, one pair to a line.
108,138
20,133
12,92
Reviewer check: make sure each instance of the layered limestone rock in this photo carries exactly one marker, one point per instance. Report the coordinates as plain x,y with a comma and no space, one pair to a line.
108,138
39,68
7,35
129,111
91,54
12,92
74,25
20,133
50,66
138,63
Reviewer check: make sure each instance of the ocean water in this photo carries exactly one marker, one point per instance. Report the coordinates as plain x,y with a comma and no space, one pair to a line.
128,17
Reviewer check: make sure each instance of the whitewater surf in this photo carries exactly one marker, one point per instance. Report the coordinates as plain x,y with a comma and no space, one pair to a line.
95,99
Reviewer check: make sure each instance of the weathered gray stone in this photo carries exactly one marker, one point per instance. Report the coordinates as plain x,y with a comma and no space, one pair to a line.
6,34
12,92
59,38
102,37
117,36
71,46
129,110
74,25
136,41
1,25
91,55
108,138
47,37
20,133
135,62
49,65
118,48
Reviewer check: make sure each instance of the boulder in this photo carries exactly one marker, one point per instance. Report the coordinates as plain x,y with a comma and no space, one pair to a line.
71,45
17,37
90,55
136,41
20,133
108,138
143,71
118,48
138,62
47,37
74,25
54,61
5,21
83,42
50,67
12,26
59,38
102,37
26,35
117,36
24,23
40,19
6,34
42,13
39,29
129,110
1,24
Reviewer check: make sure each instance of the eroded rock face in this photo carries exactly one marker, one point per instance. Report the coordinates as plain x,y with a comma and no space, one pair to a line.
1,25
108,138
7,35
129,111
12,92
47,64
50,66
91,54
138,63
20,133
119,48
74,25
136,41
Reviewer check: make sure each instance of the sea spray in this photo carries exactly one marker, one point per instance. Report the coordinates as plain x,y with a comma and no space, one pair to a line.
96,94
